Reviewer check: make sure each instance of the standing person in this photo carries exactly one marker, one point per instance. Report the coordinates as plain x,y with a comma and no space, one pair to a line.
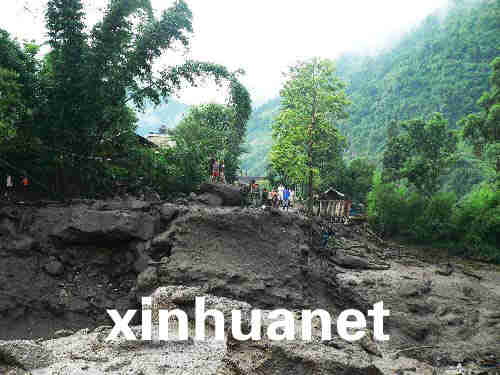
215,171
286,198
211,168
25,183
275,199
280,193
327,232
222,175
10,186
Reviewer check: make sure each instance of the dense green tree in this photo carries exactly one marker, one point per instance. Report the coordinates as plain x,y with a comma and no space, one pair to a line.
306,139
422,153
79,97
215,131
483,129
11,105
18,89
357,179
477,222
208,131
440,65
92,77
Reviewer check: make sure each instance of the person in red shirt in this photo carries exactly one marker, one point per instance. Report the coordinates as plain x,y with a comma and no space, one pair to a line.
25,183
215,171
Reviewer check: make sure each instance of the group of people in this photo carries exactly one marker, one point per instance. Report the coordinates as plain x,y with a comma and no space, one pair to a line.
280,197
217,171
9,185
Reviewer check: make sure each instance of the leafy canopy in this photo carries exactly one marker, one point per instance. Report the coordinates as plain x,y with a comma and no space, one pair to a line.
422,152
306,139
91,77
74,126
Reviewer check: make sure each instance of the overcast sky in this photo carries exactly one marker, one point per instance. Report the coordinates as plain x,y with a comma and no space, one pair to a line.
261,36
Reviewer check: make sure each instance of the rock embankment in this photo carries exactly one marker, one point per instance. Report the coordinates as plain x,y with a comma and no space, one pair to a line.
64,265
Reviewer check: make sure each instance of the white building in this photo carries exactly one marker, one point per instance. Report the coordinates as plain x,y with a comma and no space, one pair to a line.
161,140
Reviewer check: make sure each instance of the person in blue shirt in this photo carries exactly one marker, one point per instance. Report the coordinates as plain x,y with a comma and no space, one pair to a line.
327,231
286,198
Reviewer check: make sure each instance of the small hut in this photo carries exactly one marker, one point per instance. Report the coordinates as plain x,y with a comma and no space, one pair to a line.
333,203
332,194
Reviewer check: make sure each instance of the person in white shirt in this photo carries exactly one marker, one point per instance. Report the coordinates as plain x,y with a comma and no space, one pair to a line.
10,186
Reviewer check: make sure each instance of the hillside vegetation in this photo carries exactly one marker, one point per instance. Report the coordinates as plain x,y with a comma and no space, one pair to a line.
440,66
258,139
67,120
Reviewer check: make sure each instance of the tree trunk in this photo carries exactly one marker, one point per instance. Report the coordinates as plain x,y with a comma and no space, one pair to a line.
311,140
310,177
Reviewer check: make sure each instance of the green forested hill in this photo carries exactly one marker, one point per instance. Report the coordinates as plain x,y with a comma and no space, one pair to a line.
442,65
168,114
258,140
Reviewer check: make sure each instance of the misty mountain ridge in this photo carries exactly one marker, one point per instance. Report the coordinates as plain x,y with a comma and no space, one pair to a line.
441,65
168,113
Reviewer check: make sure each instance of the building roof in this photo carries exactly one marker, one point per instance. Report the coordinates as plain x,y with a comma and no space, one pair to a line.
334,194
161,140
146,142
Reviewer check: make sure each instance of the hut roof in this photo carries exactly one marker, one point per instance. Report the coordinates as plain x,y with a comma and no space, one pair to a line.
332,193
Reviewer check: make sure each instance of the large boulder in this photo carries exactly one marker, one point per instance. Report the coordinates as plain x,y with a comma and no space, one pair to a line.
83,225
210,199
168,212
147,278
231,195
21,244
88,353
25,354
54,267
7,227
182,297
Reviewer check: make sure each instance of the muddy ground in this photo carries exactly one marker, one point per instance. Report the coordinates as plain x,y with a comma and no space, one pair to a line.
63,265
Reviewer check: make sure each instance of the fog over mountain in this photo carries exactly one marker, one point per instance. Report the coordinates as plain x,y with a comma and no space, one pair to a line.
226,32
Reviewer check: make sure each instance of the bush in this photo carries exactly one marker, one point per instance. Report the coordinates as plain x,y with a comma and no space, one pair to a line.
477,222
388,207
395,210
433,221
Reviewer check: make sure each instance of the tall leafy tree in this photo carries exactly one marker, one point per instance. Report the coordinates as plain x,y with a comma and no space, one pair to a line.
11,104
214,130
93,76
18,89
81,96
306,139
422,153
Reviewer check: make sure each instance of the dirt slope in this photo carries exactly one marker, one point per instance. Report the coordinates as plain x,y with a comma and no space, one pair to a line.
60,269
